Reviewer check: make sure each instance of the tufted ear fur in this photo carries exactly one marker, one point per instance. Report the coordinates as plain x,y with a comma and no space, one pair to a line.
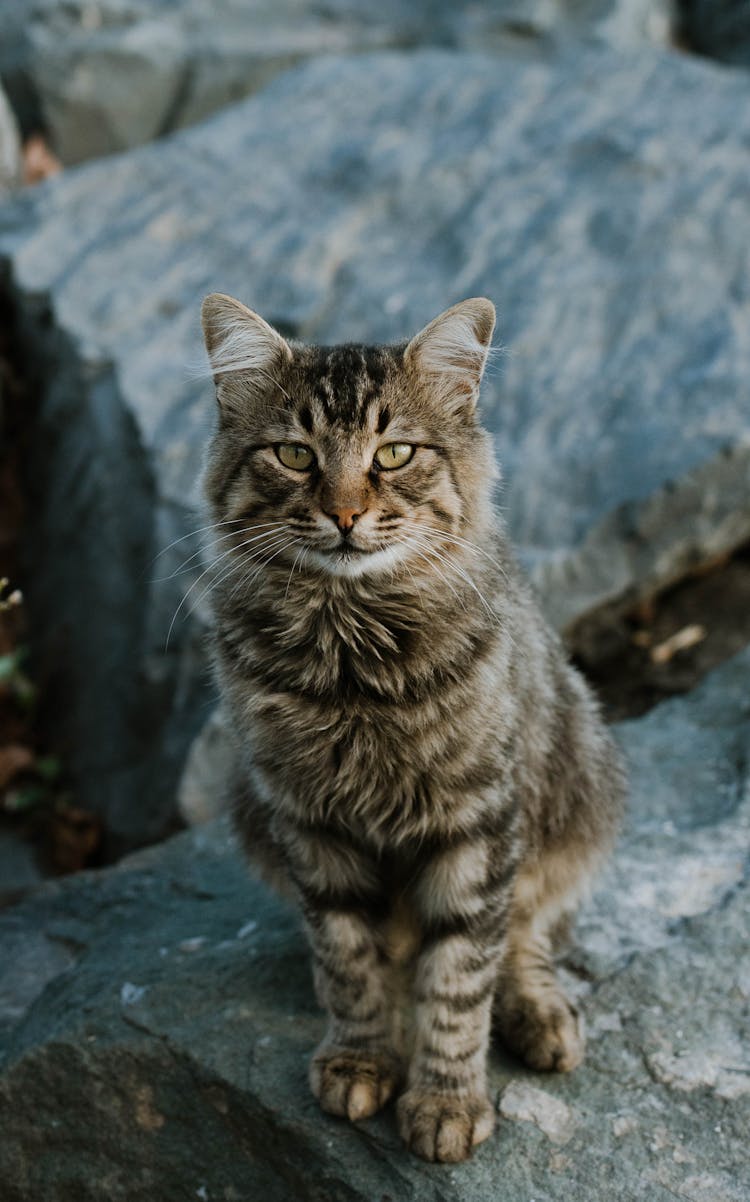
238,340
450,353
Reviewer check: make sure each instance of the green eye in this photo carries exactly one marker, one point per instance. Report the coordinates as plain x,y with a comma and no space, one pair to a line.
292,455
394,454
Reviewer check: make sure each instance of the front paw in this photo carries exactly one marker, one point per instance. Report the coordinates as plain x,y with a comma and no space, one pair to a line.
444,1127
353,1084
548,1037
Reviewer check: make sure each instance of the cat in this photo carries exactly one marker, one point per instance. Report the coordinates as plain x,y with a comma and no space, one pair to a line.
421,769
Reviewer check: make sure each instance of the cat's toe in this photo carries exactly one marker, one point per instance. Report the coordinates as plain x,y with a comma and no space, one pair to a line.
352,1084
548,1039
443,1127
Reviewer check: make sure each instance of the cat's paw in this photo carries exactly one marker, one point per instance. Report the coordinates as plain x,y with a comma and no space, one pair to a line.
353,1084
549,1037
443,1127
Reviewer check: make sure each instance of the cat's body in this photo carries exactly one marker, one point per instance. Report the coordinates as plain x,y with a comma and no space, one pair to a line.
420,767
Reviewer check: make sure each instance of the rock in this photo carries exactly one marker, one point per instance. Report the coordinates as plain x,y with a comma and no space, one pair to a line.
208,768
717,28
105,76
601,200
10,148
522,1102
688,824
181,1018
19,871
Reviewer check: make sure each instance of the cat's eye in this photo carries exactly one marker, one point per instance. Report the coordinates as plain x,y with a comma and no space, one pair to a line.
394,454
294,455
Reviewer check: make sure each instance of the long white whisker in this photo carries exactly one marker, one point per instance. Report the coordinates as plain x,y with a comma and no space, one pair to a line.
463,542
201,550
292,542
421,548
277,541
249,576
270,539
204,573
451,565
289,581
193,533
244,560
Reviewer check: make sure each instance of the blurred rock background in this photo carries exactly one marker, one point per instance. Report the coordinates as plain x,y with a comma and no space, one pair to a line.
349,170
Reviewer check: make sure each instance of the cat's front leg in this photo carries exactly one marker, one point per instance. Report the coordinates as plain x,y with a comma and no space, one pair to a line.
445,1111
356,1068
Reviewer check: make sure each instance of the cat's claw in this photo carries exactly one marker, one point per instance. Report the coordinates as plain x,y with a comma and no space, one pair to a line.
353,1084
443,1127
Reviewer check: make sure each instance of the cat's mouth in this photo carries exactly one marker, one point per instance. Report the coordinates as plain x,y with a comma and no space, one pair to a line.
347,559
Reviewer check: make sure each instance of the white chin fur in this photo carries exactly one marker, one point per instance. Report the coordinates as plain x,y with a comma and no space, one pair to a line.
358,565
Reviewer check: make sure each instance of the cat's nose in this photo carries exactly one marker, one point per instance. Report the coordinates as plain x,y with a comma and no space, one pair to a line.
344,516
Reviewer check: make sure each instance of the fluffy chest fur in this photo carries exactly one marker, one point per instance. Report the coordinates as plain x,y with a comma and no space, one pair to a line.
369,708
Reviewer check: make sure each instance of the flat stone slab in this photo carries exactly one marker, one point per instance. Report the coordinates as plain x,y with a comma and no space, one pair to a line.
602,200
173,1017
103,77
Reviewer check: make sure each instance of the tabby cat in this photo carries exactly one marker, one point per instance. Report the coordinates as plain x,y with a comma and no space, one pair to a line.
420,767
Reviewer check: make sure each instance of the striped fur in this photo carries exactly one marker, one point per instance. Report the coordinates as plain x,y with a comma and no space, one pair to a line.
419,766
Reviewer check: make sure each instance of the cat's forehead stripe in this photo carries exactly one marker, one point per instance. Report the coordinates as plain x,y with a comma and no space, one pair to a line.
346,381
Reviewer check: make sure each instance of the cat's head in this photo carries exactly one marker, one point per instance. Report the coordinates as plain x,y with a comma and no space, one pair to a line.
355,458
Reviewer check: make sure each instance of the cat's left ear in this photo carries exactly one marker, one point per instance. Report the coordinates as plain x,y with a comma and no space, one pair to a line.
238,340
452,350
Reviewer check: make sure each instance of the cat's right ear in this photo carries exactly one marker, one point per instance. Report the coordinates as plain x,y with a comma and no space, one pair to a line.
451,352
238,340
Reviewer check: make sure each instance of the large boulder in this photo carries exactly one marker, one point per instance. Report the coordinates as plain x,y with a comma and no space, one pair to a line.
103,77
156,1020
602,201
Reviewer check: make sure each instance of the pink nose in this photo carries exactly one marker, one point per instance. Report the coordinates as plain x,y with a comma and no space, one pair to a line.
344,516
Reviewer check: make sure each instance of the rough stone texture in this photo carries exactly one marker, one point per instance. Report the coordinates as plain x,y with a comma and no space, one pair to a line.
107,75
19,870
178,1018
603,201
717,28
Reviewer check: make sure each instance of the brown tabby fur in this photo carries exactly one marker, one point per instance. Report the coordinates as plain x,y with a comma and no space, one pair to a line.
421,768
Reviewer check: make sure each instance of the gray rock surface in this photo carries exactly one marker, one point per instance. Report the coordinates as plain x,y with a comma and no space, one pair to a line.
603,201
105,75
174,1018
19,870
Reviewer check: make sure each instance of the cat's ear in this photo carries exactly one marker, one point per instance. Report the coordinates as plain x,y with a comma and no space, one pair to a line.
238,340
452,350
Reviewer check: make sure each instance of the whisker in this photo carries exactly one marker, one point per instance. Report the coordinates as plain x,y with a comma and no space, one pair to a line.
211,566
192,534
226,572
260,551
289,581
241,561
202,551
464,542
422,550
451,565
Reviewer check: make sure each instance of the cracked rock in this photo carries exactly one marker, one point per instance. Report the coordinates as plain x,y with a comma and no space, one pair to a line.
179,1019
